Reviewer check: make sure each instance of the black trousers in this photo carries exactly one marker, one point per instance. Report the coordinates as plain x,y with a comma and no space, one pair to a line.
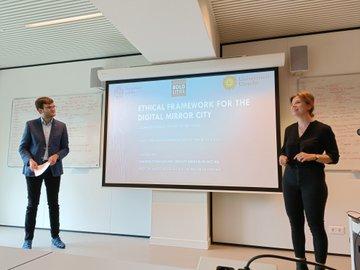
52,191
305,190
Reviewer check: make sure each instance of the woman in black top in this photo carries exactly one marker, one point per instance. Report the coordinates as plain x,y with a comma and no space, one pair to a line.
308,145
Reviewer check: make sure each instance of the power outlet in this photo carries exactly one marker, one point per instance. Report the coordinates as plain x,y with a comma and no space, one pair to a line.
337,230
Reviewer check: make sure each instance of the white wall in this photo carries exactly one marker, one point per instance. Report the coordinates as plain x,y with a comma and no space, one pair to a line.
180,219
258,219
84,204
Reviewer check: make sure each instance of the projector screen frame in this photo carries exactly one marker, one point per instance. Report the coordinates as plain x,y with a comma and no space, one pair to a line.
196,187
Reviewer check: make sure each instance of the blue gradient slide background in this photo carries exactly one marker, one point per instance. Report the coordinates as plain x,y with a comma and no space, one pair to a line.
219,131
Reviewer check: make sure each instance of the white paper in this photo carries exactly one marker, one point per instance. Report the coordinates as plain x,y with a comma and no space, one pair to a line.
41,168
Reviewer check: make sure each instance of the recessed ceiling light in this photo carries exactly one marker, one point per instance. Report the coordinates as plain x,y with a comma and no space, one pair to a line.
64,20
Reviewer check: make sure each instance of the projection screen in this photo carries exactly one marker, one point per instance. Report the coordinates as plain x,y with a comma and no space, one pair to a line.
210,131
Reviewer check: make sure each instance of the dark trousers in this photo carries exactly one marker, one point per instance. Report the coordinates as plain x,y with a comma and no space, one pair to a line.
52,191
305,190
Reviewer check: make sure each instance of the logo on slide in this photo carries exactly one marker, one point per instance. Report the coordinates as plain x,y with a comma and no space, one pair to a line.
178,88
229,82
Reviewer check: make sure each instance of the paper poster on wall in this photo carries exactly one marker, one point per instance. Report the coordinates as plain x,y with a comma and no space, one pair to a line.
82,116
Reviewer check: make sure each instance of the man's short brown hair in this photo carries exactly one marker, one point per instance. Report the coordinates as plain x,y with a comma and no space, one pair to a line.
39,102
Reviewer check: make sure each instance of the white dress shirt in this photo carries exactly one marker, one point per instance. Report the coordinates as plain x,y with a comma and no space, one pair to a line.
47,130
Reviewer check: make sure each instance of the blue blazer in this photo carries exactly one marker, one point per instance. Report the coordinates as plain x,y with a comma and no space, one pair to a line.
33,145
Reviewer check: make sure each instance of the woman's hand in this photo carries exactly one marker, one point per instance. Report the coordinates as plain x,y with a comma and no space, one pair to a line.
283,160
302,157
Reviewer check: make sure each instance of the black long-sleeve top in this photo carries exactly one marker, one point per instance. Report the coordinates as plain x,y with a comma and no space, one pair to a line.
317,139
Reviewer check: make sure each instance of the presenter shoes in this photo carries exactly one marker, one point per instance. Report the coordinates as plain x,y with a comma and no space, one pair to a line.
27,244
56,242
301,266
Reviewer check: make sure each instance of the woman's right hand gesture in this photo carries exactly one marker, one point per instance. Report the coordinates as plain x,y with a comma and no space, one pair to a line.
283,160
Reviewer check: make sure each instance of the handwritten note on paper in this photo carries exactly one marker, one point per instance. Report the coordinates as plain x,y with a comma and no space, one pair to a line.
82,116
337,103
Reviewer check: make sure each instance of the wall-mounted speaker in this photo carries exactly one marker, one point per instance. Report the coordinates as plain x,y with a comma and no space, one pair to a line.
299,60
94,79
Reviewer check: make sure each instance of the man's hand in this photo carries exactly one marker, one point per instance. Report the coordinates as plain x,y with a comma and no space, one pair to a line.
33,164
283,160
302,157
53,159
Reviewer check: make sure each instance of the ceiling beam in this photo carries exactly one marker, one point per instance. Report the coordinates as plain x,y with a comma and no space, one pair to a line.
163,30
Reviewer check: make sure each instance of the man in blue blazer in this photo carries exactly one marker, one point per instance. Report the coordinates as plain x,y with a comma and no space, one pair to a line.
44,140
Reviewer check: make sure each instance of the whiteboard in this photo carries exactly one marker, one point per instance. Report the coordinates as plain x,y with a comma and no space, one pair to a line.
82,116
337,103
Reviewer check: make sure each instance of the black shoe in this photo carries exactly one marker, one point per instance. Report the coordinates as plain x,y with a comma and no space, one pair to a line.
319,267
301,266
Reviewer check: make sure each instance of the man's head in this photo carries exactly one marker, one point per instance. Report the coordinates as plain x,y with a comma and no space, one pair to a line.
46,107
